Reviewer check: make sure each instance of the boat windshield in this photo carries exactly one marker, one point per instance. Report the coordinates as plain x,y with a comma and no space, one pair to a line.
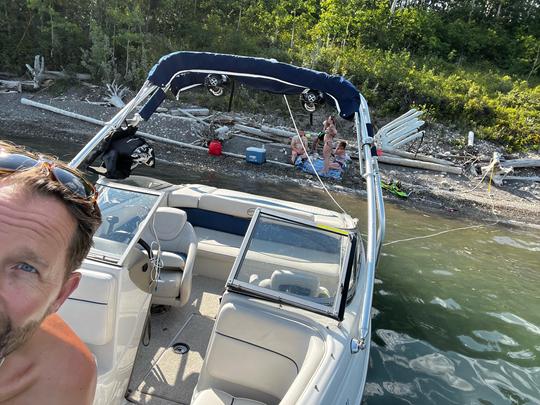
122,211
292,261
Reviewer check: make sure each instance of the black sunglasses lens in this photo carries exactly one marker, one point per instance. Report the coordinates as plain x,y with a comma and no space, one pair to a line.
13,162
73,182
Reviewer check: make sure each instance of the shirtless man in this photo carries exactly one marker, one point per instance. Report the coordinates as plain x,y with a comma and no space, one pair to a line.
46,231
296,146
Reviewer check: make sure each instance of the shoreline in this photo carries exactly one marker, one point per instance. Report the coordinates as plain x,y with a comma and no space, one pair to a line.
453,196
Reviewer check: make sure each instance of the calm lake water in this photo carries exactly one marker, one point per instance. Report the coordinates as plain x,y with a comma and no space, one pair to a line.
456,316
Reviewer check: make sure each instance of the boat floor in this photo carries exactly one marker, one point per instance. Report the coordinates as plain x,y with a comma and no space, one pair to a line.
161,376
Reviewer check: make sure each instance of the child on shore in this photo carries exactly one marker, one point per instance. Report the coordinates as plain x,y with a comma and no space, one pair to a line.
341,157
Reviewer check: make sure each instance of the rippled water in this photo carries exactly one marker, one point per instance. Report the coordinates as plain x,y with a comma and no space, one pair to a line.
456,317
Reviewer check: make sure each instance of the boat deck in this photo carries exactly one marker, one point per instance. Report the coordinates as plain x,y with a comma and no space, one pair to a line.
161,376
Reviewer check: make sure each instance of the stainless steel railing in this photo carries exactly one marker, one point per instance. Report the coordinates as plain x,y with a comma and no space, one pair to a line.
113,124
375,222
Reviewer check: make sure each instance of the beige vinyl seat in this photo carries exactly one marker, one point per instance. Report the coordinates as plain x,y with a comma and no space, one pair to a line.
178,244
257,354
217,397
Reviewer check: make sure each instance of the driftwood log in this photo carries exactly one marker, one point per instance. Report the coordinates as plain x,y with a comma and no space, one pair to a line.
257,132
277,131
517,163
416,156
11,85
198,112
37,70
420,164
518,178
54,74
116,94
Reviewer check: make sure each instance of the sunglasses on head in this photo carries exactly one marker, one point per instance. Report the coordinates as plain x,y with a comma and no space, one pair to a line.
72,180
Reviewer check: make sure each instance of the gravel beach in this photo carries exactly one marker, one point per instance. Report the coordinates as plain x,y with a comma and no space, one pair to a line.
452,195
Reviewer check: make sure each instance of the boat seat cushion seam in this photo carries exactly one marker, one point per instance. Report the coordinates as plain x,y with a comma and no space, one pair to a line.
260,347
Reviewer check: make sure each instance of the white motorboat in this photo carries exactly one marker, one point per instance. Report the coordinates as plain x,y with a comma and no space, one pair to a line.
268,300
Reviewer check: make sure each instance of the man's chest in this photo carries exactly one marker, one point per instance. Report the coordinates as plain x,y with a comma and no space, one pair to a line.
17,382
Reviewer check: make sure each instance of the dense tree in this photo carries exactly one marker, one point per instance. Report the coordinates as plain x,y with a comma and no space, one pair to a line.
473,61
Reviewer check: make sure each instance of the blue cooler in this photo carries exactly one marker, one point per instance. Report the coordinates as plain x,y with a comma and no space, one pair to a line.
255,155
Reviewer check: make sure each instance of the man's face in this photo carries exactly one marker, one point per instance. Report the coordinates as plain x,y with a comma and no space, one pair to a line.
35,233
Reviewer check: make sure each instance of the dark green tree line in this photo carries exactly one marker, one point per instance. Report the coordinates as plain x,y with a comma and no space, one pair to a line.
471,61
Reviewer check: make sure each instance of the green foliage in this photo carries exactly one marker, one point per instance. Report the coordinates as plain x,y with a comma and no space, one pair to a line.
475,63
99,59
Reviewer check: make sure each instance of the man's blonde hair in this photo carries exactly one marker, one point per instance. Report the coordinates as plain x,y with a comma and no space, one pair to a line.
85,211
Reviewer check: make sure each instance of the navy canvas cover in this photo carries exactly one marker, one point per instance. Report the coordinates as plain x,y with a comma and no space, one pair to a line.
184,69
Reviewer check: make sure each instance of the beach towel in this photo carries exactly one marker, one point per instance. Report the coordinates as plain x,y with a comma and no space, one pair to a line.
306,167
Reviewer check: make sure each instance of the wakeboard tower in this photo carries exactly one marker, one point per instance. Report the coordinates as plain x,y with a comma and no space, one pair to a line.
330,296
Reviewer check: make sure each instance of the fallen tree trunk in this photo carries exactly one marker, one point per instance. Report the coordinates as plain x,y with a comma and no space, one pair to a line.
199,112
252,138
186,113
55,74
279,132
416,156
518,178
11,84
521,163
419,164
255,131
18,85
174,117
91,120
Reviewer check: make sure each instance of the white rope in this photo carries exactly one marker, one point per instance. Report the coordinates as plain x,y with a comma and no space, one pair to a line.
156,261
436,234
309,158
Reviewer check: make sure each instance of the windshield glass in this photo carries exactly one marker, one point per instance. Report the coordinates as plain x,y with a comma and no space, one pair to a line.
122,212
294,260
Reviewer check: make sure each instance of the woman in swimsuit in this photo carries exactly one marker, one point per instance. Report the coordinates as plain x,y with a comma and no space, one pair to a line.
330,133
330,122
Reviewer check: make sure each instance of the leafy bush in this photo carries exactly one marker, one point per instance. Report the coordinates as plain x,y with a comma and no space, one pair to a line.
498,107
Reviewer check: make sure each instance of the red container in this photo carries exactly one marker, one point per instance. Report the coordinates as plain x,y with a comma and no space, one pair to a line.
214,148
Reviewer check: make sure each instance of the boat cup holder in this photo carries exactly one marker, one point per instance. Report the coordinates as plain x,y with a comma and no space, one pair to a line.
180,348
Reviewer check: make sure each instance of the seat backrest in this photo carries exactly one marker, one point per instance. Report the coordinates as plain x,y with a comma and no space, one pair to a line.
168,224
94,298
256,352
175,235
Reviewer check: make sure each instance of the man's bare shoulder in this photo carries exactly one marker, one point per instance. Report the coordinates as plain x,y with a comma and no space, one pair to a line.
71,366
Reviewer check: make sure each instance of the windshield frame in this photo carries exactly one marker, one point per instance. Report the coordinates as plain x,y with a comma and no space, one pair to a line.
336,311
100,255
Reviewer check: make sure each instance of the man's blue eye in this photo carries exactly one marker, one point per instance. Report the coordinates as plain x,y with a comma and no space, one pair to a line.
27,268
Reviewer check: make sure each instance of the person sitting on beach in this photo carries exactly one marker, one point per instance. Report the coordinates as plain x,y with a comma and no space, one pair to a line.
299,145
341,157
48,215
328,146
330,122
